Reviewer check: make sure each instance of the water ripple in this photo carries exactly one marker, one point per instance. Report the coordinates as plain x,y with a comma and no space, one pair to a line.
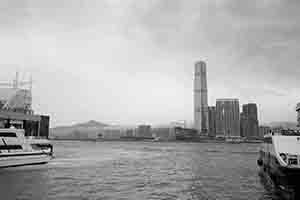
129,171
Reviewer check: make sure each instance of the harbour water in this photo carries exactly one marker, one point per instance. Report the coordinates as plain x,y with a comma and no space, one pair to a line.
140,170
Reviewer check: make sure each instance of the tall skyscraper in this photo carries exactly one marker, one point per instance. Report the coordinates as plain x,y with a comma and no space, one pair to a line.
212,121
227,118
200,98
249,121
298,113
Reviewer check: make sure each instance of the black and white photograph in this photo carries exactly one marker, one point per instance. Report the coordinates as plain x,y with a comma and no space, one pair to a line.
149,99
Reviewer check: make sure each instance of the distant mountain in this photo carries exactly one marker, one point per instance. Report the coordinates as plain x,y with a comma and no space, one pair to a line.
87,130
92,123
286,124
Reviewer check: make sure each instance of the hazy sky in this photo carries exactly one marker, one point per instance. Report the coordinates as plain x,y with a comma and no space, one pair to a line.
132,61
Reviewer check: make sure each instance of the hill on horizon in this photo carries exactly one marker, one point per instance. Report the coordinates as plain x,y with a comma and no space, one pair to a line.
90,123
283,124
86,130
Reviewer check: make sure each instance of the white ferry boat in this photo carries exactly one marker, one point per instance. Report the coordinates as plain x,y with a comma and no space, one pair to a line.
279,159
17,150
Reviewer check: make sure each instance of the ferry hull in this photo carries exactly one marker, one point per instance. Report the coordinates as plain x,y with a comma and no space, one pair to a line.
284,178
17,150
290,177
22,160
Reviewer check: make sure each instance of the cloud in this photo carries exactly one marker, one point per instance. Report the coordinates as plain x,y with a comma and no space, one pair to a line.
251,48
254,31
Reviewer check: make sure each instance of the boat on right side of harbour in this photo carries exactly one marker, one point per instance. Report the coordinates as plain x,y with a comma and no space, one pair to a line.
279,160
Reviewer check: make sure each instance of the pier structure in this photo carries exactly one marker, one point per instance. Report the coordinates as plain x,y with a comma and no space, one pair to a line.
200,99
16,109
298,114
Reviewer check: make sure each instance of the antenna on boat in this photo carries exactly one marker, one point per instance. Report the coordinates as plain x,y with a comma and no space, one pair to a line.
16,81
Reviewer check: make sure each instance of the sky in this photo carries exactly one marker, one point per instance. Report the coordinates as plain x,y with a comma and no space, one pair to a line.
132,61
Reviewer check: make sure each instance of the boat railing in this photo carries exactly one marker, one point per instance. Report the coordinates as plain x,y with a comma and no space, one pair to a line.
36,137
290,132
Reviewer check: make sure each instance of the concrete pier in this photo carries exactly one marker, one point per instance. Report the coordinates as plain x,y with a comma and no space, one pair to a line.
298,113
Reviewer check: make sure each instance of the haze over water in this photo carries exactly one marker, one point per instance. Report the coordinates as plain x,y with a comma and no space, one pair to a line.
131,170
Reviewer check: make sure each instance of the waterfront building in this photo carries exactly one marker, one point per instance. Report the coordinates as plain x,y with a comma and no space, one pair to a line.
212,121
249,121
164,133
263,130
187,134
227,118
298,113
144,131
129,133
111,133
200,98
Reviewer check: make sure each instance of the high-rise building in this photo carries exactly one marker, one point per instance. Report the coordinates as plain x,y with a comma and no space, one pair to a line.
227,118
212,121
243,124
200,98
298,113
249,121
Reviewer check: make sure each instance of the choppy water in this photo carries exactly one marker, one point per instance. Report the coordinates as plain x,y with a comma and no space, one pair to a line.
131,170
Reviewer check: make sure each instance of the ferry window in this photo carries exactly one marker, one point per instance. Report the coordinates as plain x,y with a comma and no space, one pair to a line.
268,140
8,134
10,147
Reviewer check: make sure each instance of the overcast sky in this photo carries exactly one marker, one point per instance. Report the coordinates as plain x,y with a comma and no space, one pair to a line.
132,61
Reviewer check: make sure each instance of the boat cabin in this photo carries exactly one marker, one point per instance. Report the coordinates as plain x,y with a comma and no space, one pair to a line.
33,125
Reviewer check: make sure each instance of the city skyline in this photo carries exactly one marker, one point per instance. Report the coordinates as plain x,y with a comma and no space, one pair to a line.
132,62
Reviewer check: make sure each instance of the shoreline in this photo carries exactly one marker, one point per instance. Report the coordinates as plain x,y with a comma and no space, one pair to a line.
161,141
